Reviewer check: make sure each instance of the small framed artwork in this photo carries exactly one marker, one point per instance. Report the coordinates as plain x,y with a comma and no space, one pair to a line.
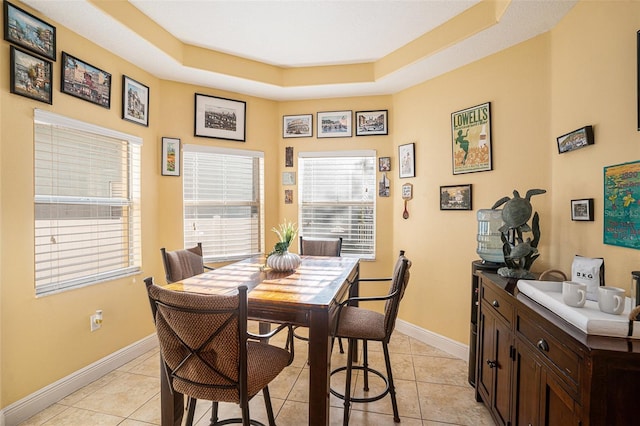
297,126
383,186
30,76
575,140
288,196
334,124
471,139
582,209
370,123
170,157
25,30
288,178
220,118
288,156
384,164
135,101
85,81
455,197
407,160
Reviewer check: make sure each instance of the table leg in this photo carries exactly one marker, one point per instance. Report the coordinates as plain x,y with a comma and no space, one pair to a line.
172,402
319,367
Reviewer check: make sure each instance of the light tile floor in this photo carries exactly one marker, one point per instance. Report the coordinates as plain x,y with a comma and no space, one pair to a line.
431,385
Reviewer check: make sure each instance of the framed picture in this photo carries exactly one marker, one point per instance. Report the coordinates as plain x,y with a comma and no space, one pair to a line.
25,30
288,156
582,209
135,101
288,178
370,123
30,76
621,208
288,196
407,159
170,157
575,140
384,164
334,124
455,197
471,139
85,81
297,126
383,186
220,118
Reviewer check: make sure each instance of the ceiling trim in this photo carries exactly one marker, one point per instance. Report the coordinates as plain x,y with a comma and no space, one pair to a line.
472,21
484,28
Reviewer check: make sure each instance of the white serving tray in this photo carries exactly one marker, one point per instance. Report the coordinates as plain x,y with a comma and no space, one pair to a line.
588,318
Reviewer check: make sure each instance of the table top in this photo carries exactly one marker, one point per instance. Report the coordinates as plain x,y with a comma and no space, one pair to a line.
314,284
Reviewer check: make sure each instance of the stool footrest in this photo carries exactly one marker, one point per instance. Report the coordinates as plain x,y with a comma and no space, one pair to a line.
367,399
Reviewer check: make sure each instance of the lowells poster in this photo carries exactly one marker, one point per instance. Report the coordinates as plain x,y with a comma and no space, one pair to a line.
622,205
471,139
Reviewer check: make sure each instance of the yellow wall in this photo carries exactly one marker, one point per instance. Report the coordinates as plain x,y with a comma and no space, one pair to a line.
593,81
582,72
44,339
442,243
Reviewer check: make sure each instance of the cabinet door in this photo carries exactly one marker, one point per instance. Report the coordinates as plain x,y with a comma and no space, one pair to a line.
558,407
527,379
501,402
484,380
495,365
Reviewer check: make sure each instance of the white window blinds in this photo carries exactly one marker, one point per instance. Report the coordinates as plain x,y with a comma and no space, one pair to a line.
336,193
87,203
223,197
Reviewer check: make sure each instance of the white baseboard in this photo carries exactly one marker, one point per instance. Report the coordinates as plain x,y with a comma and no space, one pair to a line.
452,347
32,404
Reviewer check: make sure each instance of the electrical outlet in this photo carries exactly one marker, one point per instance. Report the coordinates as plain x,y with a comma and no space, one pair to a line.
96,320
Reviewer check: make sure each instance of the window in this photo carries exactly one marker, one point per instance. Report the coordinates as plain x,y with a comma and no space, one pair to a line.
87,203
338,199
223,201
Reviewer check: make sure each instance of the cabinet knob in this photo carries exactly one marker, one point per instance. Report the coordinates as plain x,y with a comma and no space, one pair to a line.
543,345
495,304
491,364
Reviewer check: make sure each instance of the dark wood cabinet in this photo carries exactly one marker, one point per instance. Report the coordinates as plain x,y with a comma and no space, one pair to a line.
534,368
495,353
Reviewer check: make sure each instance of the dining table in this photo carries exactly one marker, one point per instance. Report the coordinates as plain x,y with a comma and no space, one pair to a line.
308,296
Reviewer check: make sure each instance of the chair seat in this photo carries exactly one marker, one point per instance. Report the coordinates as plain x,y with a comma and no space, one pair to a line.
264,363
361,323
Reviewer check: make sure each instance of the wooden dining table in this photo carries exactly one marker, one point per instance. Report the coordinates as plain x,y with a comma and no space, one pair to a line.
308,296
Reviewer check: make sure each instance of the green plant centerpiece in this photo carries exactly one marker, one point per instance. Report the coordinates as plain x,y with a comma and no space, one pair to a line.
519,253
280,259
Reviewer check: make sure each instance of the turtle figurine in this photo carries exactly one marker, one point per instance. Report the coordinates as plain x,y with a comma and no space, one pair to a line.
519,254
517,210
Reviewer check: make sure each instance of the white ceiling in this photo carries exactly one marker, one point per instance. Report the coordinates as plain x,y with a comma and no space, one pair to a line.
303,33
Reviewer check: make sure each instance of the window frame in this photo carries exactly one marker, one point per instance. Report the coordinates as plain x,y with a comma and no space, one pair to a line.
348,244
131,227
256,239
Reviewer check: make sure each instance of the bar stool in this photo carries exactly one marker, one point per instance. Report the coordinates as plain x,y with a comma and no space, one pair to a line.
355,323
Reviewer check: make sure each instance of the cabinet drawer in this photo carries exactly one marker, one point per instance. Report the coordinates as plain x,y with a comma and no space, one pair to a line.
499,301
563,360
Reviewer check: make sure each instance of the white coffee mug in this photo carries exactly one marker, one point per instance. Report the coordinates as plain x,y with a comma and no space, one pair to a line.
574,293
611,300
